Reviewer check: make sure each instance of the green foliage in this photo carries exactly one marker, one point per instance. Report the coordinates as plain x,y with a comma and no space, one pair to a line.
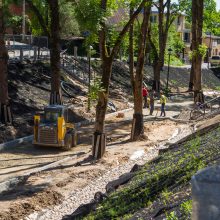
166,196
96,87
202,50
171,216
186,209
69,24
89,15
173,81
44,11
217,88
211,18
174,41
167,91
174,61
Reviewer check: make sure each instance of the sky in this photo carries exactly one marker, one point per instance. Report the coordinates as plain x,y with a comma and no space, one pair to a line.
217,1
218,4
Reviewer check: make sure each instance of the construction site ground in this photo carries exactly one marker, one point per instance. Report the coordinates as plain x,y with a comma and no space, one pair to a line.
77,170
60,189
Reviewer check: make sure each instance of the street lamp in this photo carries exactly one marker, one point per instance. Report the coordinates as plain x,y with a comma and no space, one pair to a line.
168,72
89,88
210,47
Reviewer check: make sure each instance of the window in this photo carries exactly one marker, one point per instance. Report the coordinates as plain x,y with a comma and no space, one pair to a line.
178,20
215,57
51,117
153,19
186,37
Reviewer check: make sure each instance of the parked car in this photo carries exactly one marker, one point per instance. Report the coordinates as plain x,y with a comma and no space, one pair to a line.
215,61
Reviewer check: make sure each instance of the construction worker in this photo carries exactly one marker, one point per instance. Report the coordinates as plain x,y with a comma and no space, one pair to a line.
163,101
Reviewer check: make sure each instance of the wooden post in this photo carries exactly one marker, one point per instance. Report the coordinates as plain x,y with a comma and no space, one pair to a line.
99,144
133,128
35,54
21,55
5,114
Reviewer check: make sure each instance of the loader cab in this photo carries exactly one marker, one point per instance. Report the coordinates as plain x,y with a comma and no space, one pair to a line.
52,112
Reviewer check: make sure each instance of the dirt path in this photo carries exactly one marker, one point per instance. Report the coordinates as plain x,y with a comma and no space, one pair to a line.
60,182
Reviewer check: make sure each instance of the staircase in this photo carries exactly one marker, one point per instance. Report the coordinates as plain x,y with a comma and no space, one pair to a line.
77,68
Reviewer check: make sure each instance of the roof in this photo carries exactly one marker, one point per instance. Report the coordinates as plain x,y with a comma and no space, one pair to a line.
212,36
55,107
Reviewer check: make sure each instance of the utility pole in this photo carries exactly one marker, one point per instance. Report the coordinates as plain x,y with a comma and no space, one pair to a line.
209,49
23,21
168,72
89,87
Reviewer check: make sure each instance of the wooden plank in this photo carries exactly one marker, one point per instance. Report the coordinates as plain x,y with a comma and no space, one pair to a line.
93,143
5,114
0,111
102,144
9,115
133,127
97,146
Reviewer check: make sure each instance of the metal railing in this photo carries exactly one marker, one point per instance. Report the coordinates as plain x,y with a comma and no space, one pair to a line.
205,109
76,67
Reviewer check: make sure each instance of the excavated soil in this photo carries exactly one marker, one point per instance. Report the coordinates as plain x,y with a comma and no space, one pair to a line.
36,202
53,185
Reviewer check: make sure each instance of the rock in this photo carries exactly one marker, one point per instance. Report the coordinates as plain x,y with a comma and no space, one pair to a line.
113,185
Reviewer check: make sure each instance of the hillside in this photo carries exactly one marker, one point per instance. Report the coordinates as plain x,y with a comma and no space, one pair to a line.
161,188
29,90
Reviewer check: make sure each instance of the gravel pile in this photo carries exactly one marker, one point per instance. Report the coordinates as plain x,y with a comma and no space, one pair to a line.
85,195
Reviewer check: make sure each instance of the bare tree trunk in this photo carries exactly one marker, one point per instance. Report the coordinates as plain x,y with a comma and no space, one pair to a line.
5,111
40,18
131,52
163,28
197,26
138,123
56,94
99,137
157,68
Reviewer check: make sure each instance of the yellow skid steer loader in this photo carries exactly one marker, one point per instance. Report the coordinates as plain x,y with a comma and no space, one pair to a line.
55,128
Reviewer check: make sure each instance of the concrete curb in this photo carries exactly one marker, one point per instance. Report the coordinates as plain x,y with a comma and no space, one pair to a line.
15,142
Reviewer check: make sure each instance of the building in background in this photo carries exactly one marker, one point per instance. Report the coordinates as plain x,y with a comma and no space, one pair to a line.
183,27
15,22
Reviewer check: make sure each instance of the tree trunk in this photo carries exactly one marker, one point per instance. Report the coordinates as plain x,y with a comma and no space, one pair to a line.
131,52
99,138
56,94
138,124
40,18
156,82
5,111
197,26
163,28
191,78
